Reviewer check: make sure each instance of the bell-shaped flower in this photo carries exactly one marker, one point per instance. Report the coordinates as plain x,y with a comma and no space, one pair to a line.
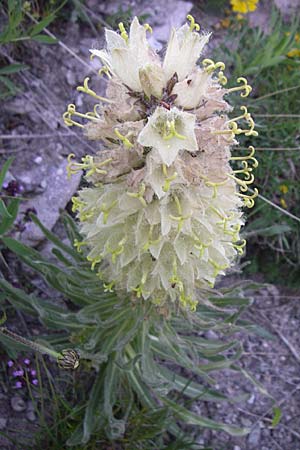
152,80
192,89
126,55
183,51
169,131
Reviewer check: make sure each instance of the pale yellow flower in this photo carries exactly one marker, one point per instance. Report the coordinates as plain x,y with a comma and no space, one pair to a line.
169,131
183,51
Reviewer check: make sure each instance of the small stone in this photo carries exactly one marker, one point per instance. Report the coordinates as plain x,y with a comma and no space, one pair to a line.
246,422
211,335
30,415
251,400
30,412
44,184
38,160
254,438
25,179
17,403
57,192
70,76
3,423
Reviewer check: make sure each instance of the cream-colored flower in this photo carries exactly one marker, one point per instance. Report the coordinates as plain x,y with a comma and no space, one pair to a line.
152,80
169,131
126,55
161,218
192,90
183,51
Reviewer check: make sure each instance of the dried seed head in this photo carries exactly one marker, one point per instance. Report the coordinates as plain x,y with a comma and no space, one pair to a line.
68,359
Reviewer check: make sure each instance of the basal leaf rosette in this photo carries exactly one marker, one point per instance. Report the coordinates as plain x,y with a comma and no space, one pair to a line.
162,215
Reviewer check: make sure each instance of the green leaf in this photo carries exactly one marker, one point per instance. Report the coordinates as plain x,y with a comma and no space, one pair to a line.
277,416
3,210
194,419
12,88
256,383
93,416
56,241
45,39
4,169
17,297
191,388
12,68
41,25
12,210
221,302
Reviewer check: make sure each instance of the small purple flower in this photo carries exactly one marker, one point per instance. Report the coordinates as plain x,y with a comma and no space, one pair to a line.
10,363
18,385
26,214
18,373
27,361
13,188
35,382
33,373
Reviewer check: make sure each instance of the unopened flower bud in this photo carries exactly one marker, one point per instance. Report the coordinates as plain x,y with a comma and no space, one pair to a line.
152,80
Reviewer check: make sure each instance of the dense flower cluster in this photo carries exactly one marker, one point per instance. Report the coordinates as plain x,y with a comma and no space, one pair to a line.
162,215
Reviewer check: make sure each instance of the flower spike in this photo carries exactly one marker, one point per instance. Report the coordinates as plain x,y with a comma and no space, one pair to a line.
162,216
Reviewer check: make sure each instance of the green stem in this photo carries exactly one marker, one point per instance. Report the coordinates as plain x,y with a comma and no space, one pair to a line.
33,345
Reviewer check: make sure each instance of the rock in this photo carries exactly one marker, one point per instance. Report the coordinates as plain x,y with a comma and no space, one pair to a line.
254,438
246,422
210,334
167,15
38,160
30,415
71,78
161,15
17,403
251,400
44,184
3,423
58,192
30,412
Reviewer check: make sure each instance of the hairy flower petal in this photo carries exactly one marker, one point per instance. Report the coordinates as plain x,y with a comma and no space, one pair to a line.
183,51
158,133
